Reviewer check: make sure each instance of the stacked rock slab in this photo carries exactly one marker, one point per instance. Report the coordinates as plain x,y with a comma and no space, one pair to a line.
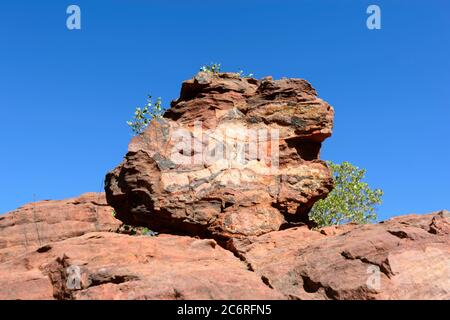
232,157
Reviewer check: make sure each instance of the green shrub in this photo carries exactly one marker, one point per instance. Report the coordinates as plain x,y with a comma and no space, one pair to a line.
212,68
215,68
351,200
143,116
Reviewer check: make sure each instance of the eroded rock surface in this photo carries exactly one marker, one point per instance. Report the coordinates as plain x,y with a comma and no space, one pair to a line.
407,257
250,164
37,224
117,266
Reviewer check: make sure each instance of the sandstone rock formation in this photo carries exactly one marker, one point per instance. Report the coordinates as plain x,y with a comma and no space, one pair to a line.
407,257
403,258
227,177
36,224
232,157
116,266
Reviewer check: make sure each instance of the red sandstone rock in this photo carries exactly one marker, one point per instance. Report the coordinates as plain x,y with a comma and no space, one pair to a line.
165,187
411,253
37,224
116,266
63,250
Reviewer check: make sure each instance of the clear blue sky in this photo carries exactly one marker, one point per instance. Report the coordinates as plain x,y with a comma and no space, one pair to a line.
65,95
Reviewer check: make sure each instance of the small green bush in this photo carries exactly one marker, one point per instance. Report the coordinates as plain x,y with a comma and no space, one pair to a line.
143,116
212,68
215,68
351,200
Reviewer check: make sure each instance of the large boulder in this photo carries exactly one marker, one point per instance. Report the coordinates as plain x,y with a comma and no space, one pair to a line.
232,157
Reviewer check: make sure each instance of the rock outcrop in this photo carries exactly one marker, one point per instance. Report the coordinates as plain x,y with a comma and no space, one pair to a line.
103,265
36,224
407,257
403,258
43,243
227,178
232,157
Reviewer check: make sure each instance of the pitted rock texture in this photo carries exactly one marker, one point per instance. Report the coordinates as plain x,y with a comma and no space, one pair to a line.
169,186
37,224
406,257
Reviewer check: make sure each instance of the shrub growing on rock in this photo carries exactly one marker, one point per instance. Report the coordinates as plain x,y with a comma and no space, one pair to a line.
212,68
351,200
143,116
215,68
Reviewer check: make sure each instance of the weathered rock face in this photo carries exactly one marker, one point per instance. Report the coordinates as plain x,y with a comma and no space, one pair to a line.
233,157
407,257
36,224
103,265
403,258
41,240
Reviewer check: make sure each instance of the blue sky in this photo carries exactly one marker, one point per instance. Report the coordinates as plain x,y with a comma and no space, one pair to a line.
65,95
